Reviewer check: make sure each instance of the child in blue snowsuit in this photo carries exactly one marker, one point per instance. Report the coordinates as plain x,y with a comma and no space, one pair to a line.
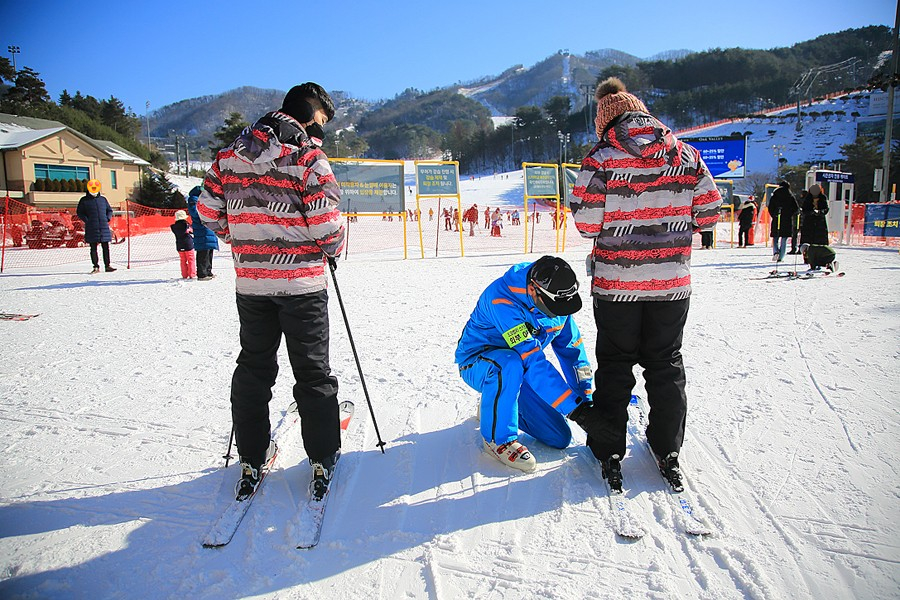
501,355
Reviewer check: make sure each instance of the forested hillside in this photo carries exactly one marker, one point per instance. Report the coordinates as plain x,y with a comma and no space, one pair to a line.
542,103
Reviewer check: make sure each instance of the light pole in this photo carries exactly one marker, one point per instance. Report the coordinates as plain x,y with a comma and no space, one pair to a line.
889,120
512,146
564,139
778,152
147,115
14,50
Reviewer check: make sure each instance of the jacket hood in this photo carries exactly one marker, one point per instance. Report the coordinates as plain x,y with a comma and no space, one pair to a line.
640,134
272,137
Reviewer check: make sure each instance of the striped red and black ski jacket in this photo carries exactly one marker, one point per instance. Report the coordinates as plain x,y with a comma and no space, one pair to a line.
273,194
640,194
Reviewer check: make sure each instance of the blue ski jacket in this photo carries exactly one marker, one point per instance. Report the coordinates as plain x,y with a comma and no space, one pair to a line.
506,317
204,238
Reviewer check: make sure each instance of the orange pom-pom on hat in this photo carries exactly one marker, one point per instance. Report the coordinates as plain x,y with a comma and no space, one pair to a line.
613,100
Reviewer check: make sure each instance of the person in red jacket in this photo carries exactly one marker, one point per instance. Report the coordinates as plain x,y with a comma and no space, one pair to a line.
639,195
471,216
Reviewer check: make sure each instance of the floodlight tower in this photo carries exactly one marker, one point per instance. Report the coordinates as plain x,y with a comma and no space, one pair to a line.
14,50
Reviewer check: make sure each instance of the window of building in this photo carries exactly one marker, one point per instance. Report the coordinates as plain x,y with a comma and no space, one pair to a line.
112,180
61,172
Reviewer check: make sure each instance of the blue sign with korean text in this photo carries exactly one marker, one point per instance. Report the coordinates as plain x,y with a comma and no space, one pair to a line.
882,220
725,156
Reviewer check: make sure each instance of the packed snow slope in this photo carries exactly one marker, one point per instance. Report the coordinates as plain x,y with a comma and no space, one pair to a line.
115,417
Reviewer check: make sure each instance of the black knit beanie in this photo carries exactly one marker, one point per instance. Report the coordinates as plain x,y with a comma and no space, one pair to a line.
296,102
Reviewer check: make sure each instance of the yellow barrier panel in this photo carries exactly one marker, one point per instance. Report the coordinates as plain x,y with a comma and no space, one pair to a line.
554,196
459,212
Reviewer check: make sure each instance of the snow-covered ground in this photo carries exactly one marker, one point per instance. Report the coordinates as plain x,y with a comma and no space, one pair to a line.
115,416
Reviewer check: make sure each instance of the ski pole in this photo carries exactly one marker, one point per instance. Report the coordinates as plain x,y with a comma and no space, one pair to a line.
228,456
337,291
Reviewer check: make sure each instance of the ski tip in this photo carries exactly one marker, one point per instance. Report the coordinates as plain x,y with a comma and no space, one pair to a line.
346,409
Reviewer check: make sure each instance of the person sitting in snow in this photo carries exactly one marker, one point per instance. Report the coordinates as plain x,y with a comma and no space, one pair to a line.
501,355
818,256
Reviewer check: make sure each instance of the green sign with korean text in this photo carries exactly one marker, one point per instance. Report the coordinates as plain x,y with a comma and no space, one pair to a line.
437,180
541,181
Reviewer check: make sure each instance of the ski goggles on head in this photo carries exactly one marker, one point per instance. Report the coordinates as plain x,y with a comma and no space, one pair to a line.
556,296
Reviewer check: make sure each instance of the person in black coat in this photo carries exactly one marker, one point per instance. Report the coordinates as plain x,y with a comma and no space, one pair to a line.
783,209
745,220
813,226
96,213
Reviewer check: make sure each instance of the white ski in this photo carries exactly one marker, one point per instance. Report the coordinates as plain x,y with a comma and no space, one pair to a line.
687,516
312,513
625,522
228,522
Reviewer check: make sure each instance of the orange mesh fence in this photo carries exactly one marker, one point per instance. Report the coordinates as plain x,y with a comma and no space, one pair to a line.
36,237
39,237
150,239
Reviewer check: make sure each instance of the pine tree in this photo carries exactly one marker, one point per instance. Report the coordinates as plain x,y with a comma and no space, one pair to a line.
158,192
863,157
28,92
226,134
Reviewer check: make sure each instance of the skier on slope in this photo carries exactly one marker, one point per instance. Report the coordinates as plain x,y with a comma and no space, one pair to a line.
273,196
501,355
639,195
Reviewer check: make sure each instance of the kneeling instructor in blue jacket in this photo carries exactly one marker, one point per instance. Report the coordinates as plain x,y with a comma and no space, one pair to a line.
501,355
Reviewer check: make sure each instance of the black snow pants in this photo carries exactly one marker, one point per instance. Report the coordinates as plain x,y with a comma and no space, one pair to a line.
303,320
648,334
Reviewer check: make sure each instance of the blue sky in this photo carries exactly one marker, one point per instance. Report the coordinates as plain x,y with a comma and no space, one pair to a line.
164,51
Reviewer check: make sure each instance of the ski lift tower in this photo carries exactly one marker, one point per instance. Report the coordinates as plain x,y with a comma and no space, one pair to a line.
803,86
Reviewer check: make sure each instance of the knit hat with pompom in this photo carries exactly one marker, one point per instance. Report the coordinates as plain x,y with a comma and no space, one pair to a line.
613,100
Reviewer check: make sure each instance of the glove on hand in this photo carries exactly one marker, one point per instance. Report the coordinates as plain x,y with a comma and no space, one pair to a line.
580,414
586,415
332,262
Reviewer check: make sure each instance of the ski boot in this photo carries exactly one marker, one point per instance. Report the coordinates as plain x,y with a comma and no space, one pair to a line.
611,469
671,471
323,471
512,454
252,473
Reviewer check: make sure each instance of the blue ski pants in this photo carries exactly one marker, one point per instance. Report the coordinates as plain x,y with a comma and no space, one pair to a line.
509,404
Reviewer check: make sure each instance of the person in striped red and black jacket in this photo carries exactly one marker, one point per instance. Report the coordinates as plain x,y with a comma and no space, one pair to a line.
273,196
641,194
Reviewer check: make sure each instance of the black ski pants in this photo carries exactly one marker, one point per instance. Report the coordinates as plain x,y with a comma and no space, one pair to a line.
95,259
303,320
648,334
204,263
